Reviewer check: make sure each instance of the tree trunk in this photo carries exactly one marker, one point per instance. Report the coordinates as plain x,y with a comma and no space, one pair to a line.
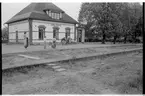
125,37
114,41
135,36
103,39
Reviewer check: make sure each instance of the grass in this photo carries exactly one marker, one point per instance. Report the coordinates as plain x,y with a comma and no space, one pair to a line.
131,85
125,75
23,70
120,72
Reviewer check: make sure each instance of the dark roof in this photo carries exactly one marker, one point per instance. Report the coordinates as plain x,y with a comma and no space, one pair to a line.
36,11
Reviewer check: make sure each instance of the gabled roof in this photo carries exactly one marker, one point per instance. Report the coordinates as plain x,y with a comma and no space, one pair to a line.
36,11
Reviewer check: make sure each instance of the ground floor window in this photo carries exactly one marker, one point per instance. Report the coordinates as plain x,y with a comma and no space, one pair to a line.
67,33
56,33
41,33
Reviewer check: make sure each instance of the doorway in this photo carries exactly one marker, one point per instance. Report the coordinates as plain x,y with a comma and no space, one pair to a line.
80,36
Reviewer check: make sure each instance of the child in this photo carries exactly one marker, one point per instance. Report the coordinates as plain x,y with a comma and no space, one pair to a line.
45,41
25,40
53,43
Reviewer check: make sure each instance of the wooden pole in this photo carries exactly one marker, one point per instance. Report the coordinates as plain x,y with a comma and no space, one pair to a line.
75,32
30,31
8,34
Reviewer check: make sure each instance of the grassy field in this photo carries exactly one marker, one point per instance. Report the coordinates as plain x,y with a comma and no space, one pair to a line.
118,74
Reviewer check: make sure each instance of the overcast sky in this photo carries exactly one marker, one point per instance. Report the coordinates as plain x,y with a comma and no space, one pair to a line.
10,9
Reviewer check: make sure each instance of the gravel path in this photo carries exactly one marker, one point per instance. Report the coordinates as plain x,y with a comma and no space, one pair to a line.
14,59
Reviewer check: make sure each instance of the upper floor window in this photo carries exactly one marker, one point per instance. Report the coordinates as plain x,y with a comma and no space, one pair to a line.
60,15
53,15
57,16
49,13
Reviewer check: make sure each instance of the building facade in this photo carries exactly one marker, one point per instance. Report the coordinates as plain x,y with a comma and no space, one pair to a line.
39,20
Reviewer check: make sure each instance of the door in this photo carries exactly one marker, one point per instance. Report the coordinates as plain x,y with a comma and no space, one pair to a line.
16,36
80,35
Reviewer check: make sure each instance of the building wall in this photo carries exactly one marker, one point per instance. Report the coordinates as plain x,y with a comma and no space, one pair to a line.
21,27
49,29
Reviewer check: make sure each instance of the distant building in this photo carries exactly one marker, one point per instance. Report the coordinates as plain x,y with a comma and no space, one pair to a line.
39,20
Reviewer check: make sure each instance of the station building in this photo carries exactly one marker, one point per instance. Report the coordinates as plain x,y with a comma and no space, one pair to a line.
39,20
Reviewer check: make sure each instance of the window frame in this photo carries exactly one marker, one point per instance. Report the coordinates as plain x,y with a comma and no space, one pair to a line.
67,32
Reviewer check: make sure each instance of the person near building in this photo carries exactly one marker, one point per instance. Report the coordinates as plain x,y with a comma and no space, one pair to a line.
25,40
45,42
53,43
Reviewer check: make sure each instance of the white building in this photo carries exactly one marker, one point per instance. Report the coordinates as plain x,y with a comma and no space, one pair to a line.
39,20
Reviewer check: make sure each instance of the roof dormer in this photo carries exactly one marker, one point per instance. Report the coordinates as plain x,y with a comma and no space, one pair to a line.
54,14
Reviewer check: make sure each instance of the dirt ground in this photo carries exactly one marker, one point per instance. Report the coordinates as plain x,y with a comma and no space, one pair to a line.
13,59
119,74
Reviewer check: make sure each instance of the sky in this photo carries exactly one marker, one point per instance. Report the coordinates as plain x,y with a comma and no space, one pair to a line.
10,9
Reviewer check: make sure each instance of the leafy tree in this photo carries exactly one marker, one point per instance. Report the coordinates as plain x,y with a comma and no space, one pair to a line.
86,16
5,33
138,31
116,24
102,17
110,20
136,20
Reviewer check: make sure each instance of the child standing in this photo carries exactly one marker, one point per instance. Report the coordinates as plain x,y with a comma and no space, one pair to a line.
53,43
25,40
45,42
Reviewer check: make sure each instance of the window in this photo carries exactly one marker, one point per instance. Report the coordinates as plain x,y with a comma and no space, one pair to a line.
57,16
49,13
56,33
67,33
60,15
41,32
53,14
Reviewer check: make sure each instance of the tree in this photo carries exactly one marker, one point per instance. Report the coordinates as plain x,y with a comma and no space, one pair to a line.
130,14
102,15
110,20
116,24
99,18
85,15
5,33
136,17
138,31
116,28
